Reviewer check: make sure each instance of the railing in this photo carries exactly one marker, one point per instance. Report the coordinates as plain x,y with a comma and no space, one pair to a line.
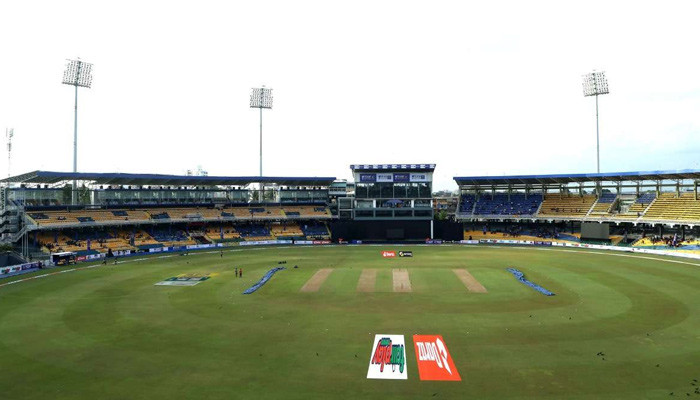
280,217
495,216
18,235
600,218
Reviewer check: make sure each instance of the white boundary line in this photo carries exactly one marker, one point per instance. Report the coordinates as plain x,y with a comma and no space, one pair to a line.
594,252
619,255
63,271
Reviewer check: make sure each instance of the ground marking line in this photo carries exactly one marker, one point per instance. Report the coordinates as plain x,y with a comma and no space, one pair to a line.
616,255
95,266
443,245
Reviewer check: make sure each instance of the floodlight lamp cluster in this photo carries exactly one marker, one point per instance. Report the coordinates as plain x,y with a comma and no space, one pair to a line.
261,97
78,73
595,83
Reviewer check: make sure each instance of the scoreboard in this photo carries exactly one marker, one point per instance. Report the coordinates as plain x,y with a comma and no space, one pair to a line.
393,191
403,177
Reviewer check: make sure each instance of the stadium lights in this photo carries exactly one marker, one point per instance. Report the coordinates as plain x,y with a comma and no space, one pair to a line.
595,84
9,134
261,98
78,74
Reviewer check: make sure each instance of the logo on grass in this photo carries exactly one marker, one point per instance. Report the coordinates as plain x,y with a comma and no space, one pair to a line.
405,254
388,358
184,280
433,358
388,254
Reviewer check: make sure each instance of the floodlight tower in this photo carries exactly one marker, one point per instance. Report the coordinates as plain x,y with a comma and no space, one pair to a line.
595,84
9,133
261,98
78,73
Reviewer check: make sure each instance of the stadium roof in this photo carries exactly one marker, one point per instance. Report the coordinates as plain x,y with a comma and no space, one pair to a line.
392,167
156,179
572,178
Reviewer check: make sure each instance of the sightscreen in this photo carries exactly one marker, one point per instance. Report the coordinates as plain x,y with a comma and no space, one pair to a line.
394,234
594,230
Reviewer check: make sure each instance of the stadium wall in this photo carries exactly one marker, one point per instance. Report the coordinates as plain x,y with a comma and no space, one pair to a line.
448,230
8,259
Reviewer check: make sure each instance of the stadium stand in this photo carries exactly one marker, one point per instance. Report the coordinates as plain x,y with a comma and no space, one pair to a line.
222,233
171,238
639,207
143,240
138,212
82,216
316,231
127,214
603,205
671,207
83,243
286,231
70,217
517,204
532,232
566,205
92,242
38,216
306,211
254,232
193,213
466,204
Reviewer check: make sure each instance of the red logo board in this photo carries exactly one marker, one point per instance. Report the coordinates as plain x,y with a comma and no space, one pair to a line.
388,254
433,359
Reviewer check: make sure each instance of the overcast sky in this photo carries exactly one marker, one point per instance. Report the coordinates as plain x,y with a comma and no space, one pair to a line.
479,88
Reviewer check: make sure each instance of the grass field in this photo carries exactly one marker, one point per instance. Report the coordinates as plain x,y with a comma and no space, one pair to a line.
109,333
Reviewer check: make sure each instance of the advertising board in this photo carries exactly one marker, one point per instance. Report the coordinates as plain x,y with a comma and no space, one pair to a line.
368,178
433,359
387,359
402,177
419,177
385,178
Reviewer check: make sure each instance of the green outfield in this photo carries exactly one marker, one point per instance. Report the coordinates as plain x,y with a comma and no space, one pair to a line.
620,326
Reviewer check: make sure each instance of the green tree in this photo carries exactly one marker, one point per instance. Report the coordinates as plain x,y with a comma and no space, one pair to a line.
66,191
441,215
83,195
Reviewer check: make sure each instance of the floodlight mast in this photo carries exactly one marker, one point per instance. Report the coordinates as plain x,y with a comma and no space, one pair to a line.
595,84
261,98
9,134
77,73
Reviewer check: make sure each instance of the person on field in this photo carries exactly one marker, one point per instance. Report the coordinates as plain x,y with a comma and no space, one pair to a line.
240,273
236,272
